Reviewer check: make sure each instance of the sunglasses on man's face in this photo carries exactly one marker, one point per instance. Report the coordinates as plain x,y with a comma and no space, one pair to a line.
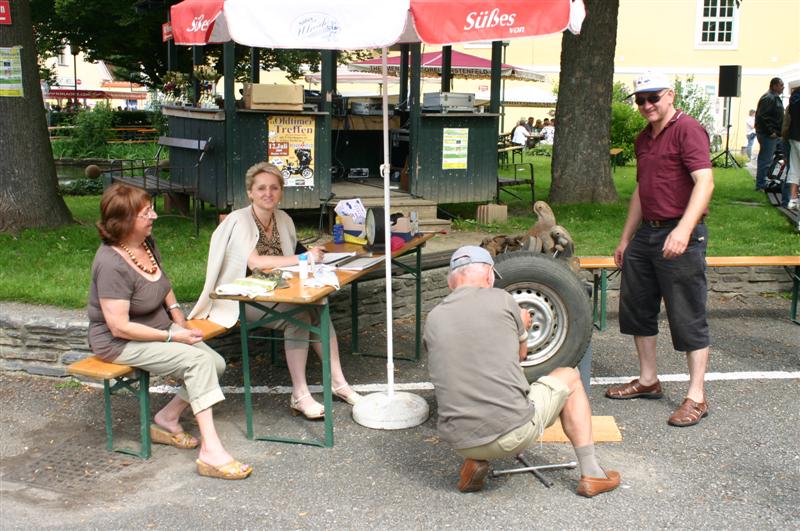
652,98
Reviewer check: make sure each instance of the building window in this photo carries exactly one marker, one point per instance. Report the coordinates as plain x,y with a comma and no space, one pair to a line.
62,57
718,23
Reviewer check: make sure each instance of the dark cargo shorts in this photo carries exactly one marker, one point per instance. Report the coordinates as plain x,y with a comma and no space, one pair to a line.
647,277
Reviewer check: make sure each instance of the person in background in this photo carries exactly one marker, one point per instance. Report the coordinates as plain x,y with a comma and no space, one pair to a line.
662,249
750,125
549,132
263,236
769,117
529,124
134,319
476,338
537,127
519,135
792,141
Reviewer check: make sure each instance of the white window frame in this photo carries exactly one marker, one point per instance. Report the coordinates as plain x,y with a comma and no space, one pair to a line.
700,44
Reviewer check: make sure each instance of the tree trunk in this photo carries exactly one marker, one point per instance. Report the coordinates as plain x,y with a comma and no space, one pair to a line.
28,183
581,165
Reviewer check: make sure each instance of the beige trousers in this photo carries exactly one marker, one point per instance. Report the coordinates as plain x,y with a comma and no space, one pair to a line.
198,365
548,396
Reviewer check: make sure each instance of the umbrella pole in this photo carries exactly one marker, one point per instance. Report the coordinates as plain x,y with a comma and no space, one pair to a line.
390,410
385,171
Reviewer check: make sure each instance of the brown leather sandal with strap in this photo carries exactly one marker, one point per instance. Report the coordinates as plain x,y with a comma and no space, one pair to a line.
689,413
634,389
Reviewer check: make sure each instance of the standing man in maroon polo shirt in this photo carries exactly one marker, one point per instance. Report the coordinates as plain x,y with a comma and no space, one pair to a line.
662,249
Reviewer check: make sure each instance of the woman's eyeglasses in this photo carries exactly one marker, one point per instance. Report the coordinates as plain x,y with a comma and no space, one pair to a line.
652,98
150,213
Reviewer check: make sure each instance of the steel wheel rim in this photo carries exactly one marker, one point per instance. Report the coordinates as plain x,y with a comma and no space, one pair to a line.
548,330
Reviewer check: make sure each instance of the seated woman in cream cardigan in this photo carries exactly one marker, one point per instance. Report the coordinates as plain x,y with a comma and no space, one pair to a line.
263,236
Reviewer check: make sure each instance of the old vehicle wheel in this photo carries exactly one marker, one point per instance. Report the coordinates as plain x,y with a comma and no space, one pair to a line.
559,306
286,173
307,173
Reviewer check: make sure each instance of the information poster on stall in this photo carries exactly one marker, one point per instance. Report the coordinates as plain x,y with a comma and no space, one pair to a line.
11,72
454,148
290,147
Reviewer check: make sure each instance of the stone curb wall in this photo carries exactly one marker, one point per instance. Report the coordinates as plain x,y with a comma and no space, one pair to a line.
44,340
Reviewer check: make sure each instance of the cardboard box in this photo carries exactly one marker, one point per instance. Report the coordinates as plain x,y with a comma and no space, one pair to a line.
492,213
273,97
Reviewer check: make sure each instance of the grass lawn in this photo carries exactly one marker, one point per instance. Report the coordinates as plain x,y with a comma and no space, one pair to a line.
53,266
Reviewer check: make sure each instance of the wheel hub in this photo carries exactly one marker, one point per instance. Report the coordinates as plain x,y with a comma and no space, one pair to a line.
548,321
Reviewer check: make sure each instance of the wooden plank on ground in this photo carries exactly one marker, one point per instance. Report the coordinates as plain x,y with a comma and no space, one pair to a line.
604,429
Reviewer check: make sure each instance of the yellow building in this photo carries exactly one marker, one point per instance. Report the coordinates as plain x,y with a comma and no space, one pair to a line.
682,38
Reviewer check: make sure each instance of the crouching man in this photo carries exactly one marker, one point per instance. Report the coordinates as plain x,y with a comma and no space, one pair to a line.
476,338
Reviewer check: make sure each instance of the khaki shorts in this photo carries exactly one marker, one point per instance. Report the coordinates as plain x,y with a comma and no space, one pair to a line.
548,395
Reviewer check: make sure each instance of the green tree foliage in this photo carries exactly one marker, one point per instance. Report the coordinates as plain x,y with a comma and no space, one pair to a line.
693,100
92,132
626,122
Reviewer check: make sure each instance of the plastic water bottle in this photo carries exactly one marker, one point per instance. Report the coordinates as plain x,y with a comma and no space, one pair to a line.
303,262
338,231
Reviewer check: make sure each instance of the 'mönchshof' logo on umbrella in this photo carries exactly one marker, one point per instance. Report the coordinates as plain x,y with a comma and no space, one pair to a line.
316,26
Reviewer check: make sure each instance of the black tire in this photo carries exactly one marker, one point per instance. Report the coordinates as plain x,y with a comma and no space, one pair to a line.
559,306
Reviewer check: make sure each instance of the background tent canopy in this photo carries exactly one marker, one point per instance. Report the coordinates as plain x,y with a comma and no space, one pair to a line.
361,24
461,65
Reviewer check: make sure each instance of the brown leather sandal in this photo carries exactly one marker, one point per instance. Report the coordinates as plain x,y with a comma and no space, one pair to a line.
634,389
181,439
689,413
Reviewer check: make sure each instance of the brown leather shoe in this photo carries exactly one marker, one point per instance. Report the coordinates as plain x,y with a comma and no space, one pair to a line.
689,413
590,487
634,389
473,472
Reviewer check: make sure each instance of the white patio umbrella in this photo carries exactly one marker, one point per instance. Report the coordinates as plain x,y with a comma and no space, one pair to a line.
364,24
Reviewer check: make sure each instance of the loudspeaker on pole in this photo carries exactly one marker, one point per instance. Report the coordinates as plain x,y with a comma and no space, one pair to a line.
730,81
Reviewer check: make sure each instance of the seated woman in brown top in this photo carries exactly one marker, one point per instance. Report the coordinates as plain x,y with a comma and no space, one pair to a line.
134,319
263,236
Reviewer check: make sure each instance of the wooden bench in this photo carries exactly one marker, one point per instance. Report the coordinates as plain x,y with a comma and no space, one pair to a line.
148,177
135,380
614,153
600,265
502,153
503,182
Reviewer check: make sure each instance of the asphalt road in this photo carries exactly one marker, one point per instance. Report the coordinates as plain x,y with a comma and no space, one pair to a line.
739,468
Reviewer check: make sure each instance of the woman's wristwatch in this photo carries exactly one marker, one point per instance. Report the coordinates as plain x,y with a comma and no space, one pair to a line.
173,306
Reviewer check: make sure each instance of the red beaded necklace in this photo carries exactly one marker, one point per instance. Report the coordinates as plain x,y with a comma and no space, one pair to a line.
137,263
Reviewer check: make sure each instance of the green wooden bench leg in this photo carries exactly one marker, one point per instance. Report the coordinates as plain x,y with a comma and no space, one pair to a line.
603,296
140,386
248,399
107,400
795,293
144,414
354,318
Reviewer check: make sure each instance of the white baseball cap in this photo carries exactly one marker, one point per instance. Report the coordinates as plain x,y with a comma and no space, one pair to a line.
651,82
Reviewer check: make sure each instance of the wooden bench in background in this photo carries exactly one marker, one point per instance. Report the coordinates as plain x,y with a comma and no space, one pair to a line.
502,153
135,380
614,153
147,176
523,174
601,265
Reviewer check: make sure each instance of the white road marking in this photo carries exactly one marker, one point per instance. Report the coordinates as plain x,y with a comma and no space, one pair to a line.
427,386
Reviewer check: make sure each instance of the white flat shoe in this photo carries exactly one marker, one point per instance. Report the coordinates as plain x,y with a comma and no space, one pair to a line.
353,398
313,412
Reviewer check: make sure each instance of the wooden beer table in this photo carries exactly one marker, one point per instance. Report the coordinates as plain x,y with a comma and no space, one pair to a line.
302,296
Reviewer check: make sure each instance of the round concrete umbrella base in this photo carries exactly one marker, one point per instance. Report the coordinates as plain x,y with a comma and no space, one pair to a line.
403,410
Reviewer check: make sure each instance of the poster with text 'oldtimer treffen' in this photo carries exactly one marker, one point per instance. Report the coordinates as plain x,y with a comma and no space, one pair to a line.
10,72
290,147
